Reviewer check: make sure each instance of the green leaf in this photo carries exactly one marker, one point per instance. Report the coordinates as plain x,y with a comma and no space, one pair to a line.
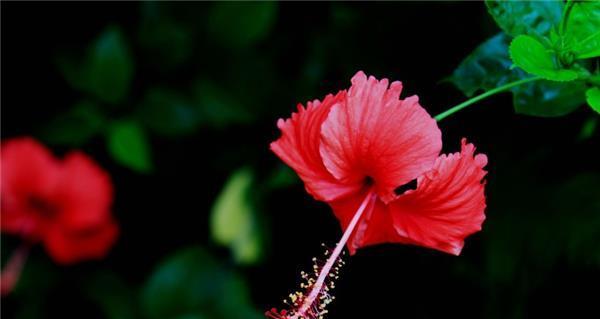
75,127
39,276
167,42
238,25
112,294
168,113
192,284
548,98
37,281
530,55
128,145
487,67
593,98
109,67
282,176
217,108
583,30
71,68
234,221
582,229
588,128
565,225
190,316
535,18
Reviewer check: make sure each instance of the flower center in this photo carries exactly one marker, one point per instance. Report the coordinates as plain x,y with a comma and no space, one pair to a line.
42,207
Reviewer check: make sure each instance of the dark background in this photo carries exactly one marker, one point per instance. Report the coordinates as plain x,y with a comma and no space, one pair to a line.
537,256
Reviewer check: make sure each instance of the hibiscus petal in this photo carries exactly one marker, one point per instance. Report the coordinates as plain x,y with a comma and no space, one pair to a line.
372,135
29,171
85,192
66,246
298,147
447,206
373,227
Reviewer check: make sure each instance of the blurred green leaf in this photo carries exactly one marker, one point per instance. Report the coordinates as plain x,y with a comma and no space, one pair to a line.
344,15
238,25
168,113
106,70
190,316
112,294
71,67
39,278
282,176
535,18
253,80
548,98
128,145
217,107
75,127
593,98
555,221
530,55
579,232
192,284
169,44
234,221
588,128
109,67
487,67
583,29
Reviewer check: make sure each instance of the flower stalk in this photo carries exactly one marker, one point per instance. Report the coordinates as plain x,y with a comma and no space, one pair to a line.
482,96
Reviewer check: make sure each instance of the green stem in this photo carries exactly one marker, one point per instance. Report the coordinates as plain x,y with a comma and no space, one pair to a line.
565,17
482,96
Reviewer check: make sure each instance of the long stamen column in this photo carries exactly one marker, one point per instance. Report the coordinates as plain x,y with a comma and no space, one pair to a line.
312,306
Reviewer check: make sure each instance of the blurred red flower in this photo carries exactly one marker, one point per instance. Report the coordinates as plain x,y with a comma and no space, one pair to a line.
64,204
368,145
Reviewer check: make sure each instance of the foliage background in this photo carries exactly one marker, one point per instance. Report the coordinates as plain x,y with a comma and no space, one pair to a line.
181,109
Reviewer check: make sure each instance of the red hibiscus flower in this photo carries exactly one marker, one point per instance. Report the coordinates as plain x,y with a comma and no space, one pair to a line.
369,141
62,204
375,159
